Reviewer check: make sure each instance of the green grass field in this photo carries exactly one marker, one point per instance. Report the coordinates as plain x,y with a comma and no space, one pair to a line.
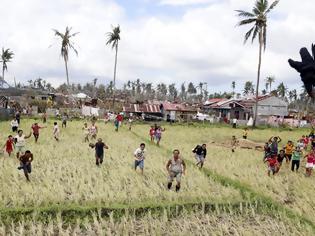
68,194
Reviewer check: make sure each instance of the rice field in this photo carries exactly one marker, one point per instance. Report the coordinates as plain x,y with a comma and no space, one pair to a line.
65,175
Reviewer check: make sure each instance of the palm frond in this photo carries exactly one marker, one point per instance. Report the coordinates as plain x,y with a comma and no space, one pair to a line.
255,32
248,34
247,21
245,13
272,6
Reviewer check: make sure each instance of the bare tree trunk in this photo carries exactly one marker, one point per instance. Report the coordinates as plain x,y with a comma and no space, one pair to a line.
3,73
114,84
258,77
66,65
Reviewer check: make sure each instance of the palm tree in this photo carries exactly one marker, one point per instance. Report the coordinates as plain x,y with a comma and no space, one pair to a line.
66,46
248,88
282,90
6,57
270,80
233,87
258,17
113,39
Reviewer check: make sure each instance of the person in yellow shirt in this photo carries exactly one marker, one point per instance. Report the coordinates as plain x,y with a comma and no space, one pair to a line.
245,133
289,148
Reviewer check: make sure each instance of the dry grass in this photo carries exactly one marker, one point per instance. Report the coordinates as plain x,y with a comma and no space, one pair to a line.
198,223
291,189
65,173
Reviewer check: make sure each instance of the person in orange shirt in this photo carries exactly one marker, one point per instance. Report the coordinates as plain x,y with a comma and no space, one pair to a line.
289,147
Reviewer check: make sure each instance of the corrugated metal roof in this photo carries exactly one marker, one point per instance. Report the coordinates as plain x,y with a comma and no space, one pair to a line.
142,108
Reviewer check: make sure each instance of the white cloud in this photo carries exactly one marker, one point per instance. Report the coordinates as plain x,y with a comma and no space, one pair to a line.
202,45
184,2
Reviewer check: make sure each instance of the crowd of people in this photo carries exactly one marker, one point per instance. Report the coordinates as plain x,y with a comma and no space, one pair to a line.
292,153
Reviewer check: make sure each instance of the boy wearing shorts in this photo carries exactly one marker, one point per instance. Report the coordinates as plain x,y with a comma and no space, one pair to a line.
99,151
200,154
25,161
310,160
139,155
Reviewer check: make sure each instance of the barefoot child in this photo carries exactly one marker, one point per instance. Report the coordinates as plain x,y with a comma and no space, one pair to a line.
175,167
26,165
9,145
56,131
20,142
296,157
139,155
310,163
36,128
14,125
93,130
99,151
289,147
86,132
200,154
281,156
272,165
274,145
151,133
245,133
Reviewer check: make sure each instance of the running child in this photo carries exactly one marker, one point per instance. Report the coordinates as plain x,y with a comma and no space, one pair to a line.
267,151
35,127
139,155
234,143
64,120
20,142
310,160
152,133
14,125
289,147
296,157
200,154
56,131
26,163
9,145
93,130
158,135
175,167
86,132
281,156
272,165
99,151
274,144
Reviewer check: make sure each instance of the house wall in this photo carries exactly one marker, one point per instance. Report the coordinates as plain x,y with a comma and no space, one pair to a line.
272,106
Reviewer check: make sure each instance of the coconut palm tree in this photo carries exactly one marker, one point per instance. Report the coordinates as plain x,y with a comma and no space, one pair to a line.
258,17
6,56
113,38
233,87
66,45
270,80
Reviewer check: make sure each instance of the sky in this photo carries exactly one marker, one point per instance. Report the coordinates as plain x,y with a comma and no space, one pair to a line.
169,41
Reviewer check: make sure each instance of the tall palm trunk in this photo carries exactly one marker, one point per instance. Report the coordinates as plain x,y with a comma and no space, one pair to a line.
114,82
3,72
270,86
66,65
258,77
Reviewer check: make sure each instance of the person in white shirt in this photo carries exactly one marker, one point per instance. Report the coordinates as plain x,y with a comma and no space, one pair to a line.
139,155
20,142
234,123
56,131
14,125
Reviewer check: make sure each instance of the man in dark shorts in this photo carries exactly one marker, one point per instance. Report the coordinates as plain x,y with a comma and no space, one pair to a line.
36,128
99,151
274,145
281,156
25,163
175,167
18,116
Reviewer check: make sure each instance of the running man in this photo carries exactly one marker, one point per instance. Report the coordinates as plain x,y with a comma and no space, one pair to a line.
14,125
56,131
152,133
139,155
20,142
175,167
99,151
64,120
281,156
245,133
36,128
272,165
26,164
200,154
158,134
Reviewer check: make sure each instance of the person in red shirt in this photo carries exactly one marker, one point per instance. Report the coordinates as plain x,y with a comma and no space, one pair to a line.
152,133
272,164
120,119
9,145
306,141
310,163
36,128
